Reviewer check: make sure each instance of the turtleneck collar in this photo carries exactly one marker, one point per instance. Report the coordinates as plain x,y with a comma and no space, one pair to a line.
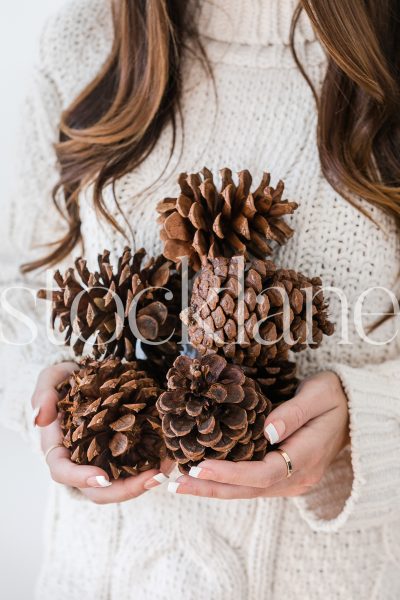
252,22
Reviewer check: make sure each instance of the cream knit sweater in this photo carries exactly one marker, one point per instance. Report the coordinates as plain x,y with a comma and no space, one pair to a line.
342,541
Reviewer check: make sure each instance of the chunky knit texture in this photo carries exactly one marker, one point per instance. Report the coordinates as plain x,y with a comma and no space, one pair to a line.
340,541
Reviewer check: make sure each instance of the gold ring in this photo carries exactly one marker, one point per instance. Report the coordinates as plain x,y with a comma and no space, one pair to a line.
46,455
289,465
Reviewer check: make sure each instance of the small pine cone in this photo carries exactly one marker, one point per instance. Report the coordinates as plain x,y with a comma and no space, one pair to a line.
223,319
277,380
109,418
133,284
212,410
204,222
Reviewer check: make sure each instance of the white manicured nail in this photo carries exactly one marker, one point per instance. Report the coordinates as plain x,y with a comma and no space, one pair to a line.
102,481
195,472
160,477
272,434
173,487
35,414
98,481
155,481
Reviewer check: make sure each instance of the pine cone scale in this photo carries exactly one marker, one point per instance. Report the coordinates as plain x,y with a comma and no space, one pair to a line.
218,320
204,222
101,422
217,408
134,284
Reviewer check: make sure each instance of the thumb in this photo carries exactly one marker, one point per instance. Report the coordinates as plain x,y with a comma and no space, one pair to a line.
45,397
315,396
290,416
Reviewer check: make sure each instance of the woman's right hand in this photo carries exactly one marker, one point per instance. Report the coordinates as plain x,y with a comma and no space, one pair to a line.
92,481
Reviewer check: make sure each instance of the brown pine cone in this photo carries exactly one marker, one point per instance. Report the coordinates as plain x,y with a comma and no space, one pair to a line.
212,410
133,283
230,297
204,222
277,380
298,286
109,418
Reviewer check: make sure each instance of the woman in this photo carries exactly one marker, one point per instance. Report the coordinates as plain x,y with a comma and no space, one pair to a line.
191,83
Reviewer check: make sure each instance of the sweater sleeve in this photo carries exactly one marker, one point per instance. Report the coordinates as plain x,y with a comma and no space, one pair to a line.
369,493
25,347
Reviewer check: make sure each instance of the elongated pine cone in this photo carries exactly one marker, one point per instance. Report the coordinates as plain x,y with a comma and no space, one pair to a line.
105,298
204,222
212,410
277,380
233,302
109,418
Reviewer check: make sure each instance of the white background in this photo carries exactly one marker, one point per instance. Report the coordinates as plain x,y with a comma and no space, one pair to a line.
23,478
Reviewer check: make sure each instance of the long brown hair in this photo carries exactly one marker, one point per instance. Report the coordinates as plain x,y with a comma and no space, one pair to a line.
359,104
116,121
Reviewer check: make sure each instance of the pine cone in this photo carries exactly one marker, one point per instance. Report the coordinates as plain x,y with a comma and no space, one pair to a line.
212,410
277,380
204,222
97,316
217,317
109,418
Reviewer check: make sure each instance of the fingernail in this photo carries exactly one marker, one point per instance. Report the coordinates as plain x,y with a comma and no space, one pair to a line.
35,414
274,431
195,472
156,480
98,481
173,487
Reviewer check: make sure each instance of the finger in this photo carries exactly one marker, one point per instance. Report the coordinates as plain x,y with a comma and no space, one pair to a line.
167,465
121,490
64,471
288,488
309,403
51,435
304,451
259,474
212,489
303,448
45,397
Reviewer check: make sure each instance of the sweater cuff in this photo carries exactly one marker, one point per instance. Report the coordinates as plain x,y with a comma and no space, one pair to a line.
368,493
16,392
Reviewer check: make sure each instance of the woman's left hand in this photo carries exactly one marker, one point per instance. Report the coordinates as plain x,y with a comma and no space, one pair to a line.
312,429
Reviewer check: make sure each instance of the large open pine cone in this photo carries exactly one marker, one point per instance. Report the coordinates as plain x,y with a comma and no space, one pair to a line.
109,418
212,410
223,317
204,222
97,317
